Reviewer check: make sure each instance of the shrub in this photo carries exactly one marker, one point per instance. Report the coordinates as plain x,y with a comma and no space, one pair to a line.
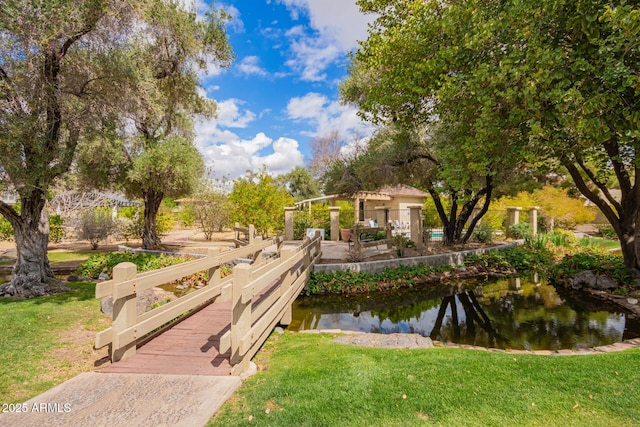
611,265
563,238
300,227
521,230
606,231
104,262
56,229
483,233
96,225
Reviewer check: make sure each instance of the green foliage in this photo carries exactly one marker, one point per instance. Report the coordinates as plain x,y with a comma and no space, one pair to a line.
607,231
96,225
300,183
347,214
348,282
210,210
257,199
563,238
300,227
165,222
402,242
104,262
6,230
187,217
521,230
513,259
611,265
56,228
483,233
130,223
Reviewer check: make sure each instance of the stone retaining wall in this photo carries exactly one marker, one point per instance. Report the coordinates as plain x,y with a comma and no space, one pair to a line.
452,258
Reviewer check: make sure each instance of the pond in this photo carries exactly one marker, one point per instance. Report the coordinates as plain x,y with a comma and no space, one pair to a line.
509,314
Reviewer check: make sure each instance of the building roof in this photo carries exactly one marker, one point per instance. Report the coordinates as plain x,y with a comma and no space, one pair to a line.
402,190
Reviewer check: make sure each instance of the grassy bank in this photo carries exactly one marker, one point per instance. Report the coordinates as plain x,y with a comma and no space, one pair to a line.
45,341
309,380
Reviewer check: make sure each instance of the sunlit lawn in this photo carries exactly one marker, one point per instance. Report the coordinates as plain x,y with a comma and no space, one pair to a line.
68,256
311,381
45,341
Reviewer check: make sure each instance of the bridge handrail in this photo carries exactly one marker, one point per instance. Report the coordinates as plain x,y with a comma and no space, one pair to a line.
127,326
252,318
252,322
149,279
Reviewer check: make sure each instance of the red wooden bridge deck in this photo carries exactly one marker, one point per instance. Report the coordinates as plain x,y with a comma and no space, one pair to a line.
188,348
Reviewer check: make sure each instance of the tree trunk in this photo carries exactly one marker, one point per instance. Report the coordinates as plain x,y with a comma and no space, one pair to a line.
152,201
32,275
623,215
453,225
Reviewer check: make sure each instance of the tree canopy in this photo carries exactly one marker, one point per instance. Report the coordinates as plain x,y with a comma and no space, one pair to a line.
258,199
535,80
60,64
154,154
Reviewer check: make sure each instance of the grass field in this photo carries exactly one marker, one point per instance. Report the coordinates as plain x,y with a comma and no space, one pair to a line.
45,341
309,380
68,256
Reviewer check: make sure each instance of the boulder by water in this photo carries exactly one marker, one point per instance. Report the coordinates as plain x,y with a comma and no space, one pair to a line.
588,279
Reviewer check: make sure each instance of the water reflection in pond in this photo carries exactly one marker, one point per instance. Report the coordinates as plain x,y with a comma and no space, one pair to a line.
510,313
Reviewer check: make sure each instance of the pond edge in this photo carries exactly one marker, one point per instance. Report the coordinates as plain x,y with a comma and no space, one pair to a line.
451,258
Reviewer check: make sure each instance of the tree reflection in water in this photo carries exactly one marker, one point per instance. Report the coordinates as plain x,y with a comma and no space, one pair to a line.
503,314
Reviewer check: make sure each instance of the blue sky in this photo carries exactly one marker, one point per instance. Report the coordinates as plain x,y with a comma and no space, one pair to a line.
282,90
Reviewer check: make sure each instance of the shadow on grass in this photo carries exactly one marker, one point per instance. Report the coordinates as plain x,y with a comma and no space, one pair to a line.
80,291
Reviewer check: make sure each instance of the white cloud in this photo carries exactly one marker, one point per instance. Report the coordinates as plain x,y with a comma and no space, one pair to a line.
230,116
332,34
285,157
249,66
231,156
339,20
325,115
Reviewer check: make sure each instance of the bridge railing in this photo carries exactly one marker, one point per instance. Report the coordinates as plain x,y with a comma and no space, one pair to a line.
128,327
254,312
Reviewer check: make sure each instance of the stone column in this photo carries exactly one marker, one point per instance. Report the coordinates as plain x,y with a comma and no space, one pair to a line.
513,217
356,210
415,215
288,223
382,215
533,219
334,219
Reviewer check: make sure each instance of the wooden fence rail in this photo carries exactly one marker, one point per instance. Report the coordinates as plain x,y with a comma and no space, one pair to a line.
252,321
284,276
128,327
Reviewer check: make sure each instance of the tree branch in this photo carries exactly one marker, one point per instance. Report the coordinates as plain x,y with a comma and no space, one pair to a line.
601,186
604,207
8,212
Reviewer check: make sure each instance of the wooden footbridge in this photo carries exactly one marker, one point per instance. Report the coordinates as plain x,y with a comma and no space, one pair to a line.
215,330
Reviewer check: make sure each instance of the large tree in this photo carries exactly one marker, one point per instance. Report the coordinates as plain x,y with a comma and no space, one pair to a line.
58,67
397,155
558,79
259,199
156,156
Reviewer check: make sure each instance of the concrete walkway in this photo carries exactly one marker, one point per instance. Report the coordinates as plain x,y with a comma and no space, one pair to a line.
126,400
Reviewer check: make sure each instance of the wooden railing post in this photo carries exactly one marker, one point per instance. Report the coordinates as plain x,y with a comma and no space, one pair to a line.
287,281
252,234
124,311
214,271
240,317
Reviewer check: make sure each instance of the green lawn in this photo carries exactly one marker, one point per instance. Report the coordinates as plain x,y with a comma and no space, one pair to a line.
45,341
68,256
311,381
598,241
